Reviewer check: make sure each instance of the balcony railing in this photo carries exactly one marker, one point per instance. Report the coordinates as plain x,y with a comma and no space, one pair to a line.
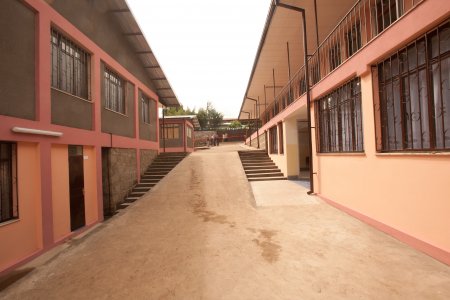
365,20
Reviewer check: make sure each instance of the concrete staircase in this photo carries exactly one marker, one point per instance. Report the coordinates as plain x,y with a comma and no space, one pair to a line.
159,168
259,167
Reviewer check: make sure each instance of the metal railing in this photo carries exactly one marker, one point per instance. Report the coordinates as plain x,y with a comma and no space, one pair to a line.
364,21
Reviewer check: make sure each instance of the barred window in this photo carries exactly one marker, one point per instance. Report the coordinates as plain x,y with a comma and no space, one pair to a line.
114,92
70,66
339,119
281,141
171,131
145,109
335,56
353,39
8,182
414,95
188,132
273,140
385,12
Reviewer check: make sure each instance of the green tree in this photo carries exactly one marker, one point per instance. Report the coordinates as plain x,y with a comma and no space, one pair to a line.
209,118
235,124
202,117
179,111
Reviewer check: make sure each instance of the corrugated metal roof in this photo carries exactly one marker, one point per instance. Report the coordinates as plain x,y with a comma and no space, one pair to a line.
135,36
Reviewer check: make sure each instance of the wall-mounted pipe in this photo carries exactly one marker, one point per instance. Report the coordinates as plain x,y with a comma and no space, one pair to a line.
308,91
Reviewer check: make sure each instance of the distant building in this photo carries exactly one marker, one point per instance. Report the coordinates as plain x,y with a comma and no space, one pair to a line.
177,133
368,117
79,94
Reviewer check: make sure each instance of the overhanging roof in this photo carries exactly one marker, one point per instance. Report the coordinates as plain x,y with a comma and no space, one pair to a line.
284,27
193,118
130,28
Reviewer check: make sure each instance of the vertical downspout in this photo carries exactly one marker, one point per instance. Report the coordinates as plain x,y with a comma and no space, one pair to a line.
163,130
308,91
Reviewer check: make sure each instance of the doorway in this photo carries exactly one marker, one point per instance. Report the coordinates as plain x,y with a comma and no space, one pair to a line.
76,182
303,149
108,209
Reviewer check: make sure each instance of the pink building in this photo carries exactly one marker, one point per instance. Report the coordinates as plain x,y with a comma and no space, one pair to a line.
177,133
355,98
79,94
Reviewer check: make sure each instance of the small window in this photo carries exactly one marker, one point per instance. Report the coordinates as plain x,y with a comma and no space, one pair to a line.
114,92
273,140
189,132
353,39
70,66
171,132
386,12
281,141
145,109
8,182
335,56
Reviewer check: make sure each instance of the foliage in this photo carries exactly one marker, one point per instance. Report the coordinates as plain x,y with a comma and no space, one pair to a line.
235,124
179,111
209,118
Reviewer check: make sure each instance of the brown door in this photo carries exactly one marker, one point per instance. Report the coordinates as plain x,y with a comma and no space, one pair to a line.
76,181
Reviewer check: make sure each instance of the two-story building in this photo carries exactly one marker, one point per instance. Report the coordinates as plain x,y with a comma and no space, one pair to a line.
79,94
354,95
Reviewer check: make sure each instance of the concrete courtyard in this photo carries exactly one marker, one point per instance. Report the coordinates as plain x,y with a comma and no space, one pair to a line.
205,232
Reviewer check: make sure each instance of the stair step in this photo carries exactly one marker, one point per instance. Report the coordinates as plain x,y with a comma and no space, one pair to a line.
130,199
265,175
267,178
263,171
268,167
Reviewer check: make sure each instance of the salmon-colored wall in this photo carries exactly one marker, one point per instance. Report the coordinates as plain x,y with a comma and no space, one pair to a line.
60,192
90,185
23,237
409,192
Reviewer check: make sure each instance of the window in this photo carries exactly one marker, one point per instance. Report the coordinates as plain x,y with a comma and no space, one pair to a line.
171,132
70,66
145,109
414,95
386,12
314,72
189,132
280,132
335,56
114,92
8,182
273,140
339,120
353,39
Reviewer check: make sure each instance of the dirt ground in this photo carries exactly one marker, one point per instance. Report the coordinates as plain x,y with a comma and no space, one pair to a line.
200,235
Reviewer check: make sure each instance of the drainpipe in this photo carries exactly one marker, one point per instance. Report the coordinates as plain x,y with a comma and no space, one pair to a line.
163,130
248,124
257,114
308,92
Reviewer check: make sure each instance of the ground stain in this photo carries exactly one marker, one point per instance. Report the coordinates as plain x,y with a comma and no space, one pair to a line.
198,205
270,250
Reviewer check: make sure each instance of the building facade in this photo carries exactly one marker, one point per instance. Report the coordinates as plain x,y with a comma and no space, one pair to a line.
177,133
375,140
79,95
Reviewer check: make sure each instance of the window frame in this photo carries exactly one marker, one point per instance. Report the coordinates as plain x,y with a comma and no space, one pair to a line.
338,118
145,109
13,186
273,139
411,89
280,138
116,87
171,128
75,57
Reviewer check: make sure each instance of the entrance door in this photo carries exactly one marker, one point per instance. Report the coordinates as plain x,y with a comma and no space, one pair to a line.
303,149
76,181
106,175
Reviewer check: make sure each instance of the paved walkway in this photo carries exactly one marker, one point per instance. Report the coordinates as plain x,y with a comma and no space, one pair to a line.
199,234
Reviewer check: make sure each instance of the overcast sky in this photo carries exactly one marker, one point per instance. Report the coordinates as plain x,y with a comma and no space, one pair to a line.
205,47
